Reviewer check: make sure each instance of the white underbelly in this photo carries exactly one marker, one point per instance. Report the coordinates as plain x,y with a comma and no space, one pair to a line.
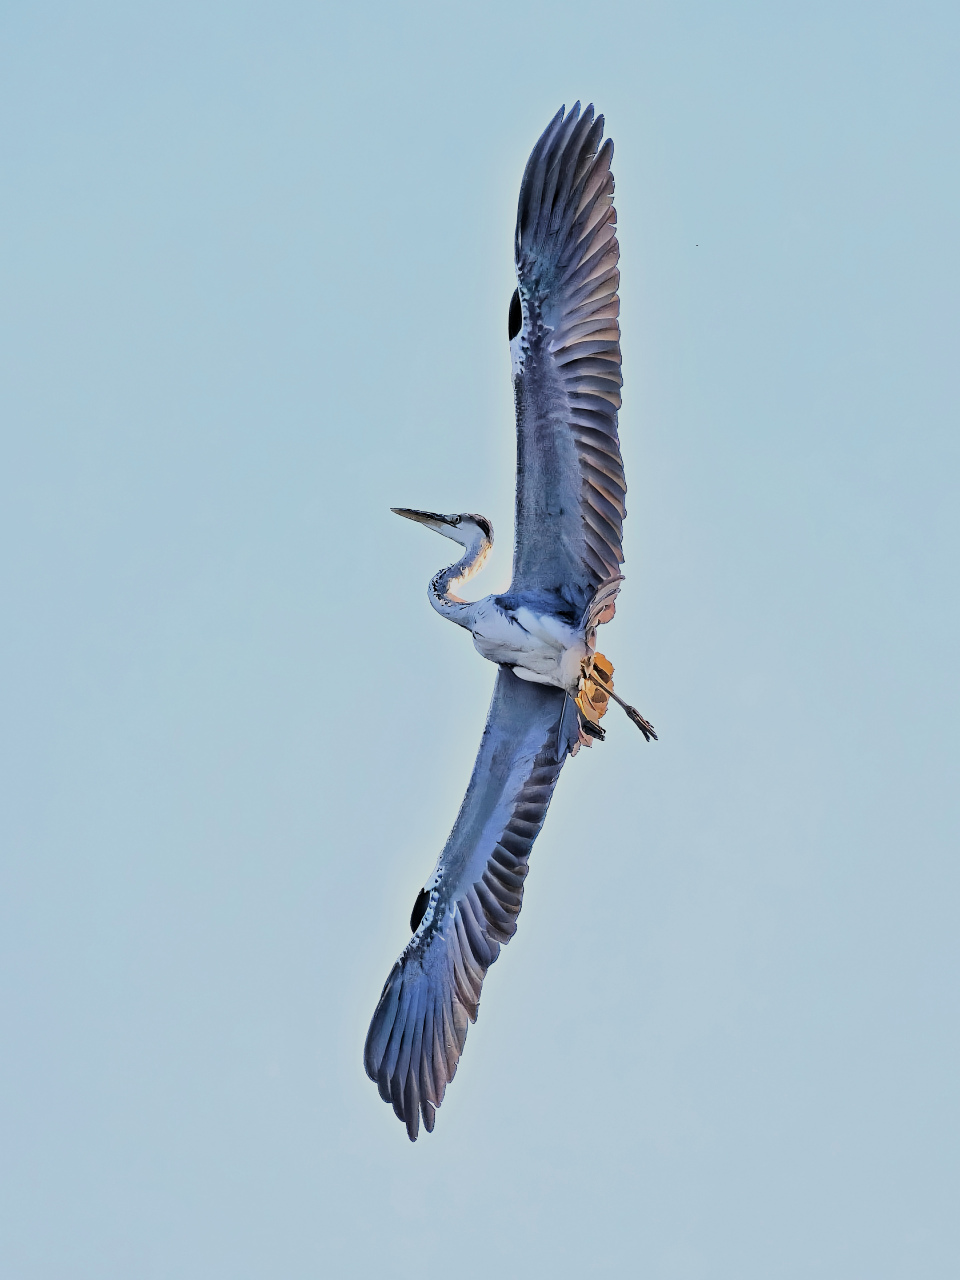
563,672
543,649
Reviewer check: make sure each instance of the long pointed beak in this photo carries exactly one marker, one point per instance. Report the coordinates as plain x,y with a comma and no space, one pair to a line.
422,517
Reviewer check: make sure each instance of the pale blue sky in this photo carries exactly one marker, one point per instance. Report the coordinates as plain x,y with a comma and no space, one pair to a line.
255,263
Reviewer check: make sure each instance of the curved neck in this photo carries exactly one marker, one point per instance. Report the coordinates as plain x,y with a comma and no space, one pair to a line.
447,581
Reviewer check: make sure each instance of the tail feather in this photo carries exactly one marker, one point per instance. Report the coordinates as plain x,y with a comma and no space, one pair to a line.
603,605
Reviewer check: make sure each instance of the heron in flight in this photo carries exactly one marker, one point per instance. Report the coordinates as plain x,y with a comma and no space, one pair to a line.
552,686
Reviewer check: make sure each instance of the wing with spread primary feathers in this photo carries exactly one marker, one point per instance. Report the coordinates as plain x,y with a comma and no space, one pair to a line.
469,906
570,483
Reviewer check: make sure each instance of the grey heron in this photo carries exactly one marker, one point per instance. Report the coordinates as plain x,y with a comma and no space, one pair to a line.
552,687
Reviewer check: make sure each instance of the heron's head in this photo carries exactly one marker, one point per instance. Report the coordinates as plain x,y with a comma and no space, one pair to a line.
467,529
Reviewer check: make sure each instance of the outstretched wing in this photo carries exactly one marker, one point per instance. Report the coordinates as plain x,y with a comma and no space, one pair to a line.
566,359
469,906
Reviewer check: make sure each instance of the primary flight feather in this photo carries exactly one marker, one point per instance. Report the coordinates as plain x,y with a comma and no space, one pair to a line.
552,686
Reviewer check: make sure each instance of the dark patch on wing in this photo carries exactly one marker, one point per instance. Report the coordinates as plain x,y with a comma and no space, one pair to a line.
515,316
419,910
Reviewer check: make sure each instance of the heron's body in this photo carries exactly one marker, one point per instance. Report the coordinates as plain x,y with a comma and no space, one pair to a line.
534,633
552,687
538,646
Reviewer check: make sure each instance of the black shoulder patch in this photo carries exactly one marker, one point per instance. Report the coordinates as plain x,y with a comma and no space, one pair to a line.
515,318
419,907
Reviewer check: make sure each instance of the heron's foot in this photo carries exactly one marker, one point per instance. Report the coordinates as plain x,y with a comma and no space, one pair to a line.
594,694
596,687
645,727
592,698
589,730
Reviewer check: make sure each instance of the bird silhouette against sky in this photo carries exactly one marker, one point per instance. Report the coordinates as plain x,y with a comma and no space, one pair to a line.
552,686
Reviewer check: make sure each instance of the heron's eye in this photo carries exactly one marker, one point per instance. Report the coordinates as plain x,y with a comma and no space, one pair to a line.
419,909
515,319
